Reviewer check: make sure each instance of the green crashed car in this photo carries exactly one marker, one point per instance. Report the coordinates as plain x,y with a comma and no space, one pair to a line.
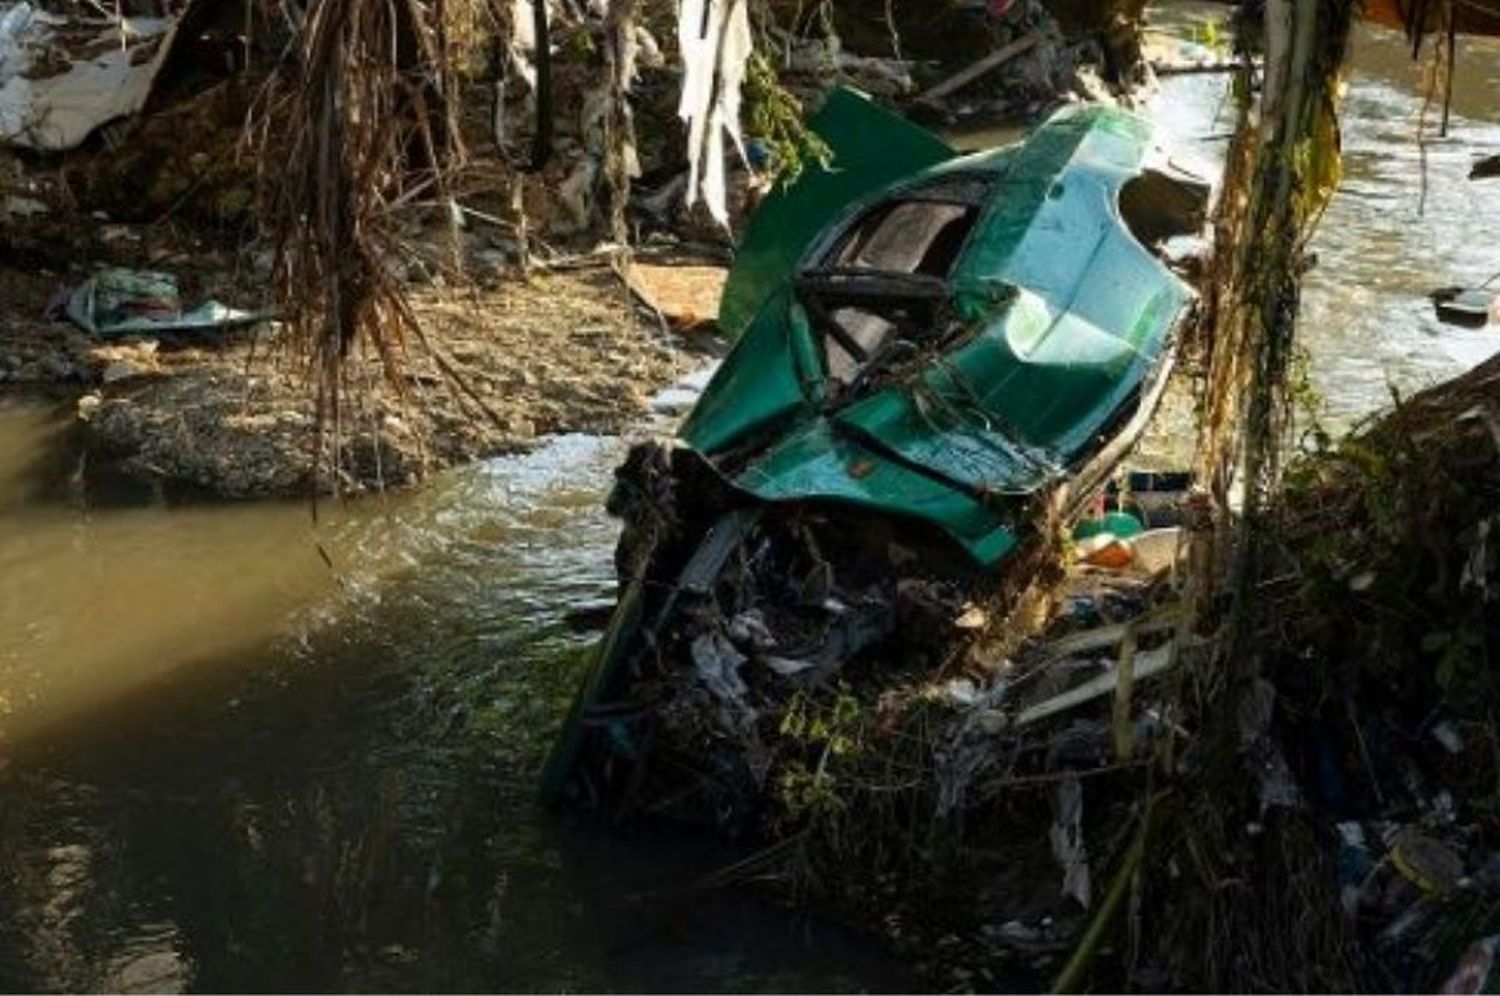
926,342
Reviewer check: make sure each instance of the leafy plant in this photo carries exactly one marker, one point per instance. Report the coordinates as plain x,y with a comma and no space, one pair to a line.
775,119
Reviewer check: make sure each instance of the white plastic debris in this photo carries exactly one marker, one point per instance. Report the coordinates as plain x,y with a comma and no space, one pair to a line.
21,207
109,73
749,629
718,667
1067,840
1448,734
715,40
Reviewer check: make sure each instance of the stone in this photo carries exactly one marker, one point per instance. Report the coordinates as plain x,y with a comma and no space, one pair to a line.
122,370
88,405
54,367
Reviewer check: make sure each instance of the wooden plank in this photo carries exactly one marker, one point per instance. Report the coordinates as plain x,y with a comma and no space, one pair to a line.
993,61
1147,664
1105,637
686,296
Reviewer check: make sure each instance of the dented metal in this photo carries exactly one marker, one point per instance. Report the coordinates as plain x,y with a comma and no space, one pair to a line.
1000,348
927,342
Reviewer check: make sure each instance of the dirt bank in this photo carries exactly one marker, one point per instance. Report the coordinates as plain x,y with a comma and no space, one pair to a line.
231,414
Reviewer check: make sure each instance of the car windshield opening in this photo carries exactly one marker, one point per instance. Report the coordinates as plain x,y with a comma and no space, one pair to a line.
911,237
883,281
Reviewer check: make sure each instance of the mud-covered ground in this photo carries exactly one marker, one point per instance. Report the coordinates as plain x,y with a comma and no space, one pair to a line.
233,415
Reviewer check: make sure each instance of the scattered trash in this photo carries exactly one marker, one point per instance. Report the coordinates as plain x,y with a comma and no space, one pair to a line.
1429,864
749,629
1067,841
1106,550
62,77
22,207
718,667
715,40
1117,540
1157,549
88,404
786,667
1447,733
1472,975
1354,865
973,618
1122,525
118,301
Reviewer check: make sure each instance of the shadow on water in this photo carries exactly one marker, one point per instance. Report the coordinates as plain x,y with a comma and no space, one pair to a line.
340,832
344,801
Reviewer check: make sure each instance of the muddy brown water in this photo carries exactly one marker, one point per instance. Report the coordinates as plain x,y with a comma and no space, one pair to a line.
226,765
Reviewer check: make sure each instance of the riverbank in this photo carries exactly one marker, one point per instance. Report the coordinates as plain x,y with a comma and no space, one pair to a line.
229,413
517,358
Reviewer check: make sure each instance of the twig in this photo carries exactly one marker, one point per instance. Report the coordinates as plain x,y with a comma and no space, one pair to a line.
1053,777
994,60
1125,670
1194,68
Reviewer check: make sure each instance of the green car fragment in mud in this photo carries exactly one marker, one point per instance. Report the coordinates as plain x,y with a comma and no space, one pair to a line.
926,340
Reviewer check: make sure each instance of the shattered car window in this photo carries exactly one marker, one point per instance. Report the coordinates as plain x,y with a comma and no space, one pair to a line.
855,291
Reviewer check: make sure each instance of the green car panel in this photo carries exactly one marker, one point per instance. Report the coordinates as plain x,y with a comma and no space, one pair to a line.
1066,314
816,461
873,149
969,379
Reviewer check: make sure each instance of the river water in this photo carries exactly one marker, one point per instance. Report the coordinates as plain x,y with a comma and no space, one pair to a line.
1388,238
227,766
228,763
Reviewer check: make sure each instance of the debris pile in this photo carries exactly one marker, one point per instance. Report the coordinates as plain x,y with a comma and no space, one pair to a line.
120,245
1097,801
833,687
861,712
62,77
124,147
1380,633
192,408
826,583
